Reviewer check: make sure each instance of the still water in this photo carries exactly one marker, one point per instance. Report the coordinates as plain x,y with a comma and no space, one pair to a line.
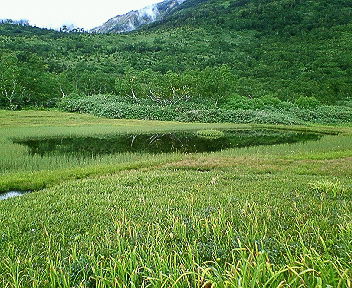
11,194
182,142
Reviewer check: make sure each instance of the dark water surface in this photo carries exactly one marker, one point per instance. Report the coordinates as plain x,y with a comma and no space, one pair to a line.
184,142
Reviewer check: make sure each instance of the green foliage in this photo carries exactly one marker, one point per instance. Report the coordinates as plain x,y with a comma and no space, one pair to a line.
266,102
291,50
290,17
307,102
268,110
172,87
191,111
25,81
11,91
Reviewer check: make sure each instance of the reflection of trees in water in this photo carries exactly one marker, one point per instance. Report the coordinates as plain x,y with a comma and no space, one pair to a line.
161,142
184,142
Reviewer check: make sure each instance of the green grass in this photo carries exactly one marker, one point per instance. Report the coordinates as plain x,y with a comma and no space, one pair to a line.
268,216
22,171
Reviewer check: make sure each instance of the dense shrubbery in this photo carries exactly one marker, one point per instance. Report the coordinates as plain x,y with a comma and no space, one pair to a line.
212,49
266,110
212,61
210,84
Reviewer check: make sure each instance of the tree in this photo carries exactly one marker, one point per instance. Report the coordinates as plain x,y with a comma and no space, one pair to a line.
11,91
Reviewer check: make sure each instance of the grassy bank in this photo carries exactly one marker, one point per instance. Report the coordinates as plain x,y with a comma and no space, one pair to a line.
21,171
268,216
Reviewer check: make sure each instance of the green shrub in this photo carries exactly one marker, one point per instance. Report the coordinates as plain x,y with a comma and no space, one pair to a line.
266,102
197,110
237,102
307,102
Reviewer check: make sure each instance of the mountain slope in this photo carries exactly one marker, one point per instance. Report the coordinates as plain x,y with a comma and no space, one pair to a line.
138,18
223,50
263,15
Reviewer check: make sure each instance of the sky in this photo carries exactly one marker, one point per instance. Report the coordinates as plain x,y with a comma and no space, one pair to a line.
80,13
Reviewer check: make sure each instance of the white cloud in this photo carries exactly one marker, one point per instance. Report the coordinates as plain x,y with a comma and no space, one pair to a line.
150,11
81,13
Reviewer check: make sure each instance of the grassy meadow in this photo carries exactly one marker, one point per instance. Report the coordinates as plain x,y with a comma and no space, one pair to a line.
264,216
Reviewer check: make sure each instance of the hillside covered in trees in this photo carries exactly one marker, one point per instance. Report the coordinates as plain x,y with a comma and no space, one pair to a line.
227,55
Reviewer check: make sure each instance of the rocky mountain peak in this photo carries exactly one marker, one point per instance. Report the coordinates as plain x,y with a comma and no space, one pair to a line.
137,18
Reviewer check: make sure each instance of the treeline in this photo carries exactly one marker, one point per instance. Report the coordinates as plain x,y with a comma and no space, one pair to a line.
217,50
21,22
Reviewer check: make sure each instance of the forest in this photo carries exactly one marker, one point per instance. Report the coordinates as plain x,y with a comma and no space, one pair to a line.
227,55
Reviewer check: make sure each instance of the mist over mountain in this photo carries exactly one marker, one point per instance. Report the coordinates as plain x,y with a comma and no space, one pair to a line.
137,18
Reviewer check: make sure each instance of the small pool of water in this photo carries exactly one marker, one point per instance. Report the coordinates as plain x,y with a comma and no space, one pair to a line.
183,142
11,194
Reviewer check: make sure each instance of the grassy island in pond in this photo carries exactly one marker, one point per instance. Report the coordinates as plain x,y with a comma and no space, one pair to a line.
261,216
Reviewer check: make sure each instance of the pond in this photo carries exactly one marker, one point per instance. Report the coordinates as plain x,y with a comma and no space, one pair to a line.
11,194
183,142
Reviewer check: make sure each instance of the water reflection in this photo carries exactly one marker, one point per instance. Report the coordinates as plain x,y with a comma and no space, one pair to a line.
11,194
184,142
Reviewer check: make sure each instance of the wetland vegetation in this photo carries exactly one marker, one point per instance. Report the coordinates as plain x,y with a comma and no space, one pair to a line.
238,173
259,216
